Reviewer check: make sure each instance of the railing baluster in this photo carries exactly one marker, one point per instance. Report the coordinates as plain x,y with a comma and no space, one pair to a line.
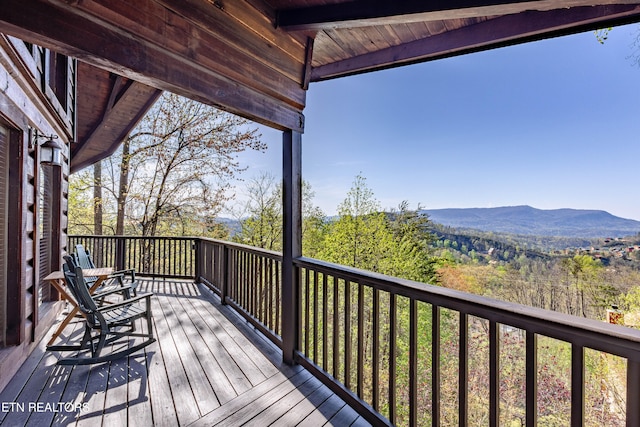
375,395
413,362
233,279
325,320
335,357
347,333
392,356
494,374
227,274
307,322
278,329
262,294
463,370
435,365
255,285
577,385
315,316
257,288
633,393
252,281
360,367
531,379
251,273
270,293
245,279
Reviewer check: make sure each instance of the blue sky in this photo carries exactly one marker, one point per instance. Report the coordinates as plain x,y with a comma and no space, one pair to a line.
551,124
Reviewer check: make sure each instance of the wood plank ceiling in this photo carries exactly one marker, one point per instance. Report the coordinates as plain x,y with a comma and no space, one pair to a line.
256,58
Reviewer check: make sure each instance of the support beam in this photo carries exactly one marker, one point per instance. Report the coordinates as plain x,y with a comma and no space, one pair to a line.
292,244
366,13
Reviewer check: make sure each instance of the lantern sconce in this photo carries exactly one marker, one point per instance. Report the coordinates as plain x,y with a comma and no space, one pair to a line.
50,150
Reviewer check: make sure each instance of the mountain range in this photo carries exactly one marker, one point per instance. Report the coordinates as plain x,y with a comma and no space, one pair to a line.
531,221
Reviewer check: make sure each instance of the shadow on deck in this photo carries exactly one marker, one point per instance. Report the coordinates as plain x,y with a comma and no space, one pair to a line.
208,367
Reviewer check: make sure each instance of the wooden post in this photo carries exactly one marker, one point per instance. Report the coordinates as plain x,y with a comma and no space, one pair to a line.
292,244
120,253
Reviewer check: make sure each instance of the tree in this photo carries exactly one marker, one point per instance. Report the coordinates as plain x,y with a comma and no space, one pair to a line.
360,237
261,217
395,243
81,203
261,225
413,258
172,174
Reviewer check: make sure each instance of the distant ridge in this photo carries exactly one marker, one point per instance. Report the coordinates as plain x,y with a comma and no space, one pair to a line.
531,221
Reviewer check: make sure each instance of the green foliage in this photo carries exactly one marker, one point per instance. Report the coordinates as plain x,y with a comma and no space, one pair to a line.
81,203
602,34
631,300
261,217
395,243
262,226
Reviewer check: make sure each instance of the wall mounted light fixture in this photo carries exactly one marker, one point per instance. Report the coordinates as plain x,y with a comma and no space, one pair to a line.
50,150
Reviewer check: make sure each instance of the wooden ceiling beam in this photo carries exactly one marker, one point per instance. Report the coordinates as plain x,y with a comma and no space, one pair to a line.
188,66
502,31
365,13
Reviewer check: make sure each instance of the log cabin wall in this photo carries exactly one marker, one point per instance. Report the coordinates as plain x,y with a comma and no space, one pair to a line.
37,92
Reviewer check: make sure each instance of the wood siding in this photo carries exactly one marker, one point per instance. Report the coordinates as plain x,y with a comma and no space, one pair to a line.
28,102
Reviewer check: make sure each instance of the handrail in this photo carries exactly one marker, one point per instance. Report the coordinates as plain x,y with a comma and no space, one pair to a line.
340,306
361,332
155,256
602,336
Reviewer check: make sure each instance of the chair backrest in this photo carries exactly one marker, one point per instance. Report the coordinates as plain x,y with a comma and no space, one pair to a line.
78,287
83,258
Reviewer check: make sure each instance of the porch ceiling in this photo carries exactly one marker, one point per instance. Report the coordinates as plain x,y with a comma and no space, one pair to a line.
256,58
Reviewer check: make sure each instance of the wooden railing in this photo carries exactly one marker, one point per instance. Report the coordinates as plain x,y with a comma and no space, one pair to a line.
406,353
393,342
246,278
157,256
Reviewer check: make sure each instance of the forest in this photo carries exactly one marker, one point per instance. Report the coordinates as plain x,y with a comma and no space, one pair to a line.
172,177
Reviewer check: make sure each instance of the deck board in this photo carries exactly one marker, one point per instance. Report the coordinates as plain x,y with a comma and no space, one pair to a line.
196,379
207,367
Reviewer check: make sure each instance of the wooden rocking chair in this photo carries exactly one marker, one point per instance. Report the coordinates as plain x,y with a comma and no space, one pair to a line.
111,322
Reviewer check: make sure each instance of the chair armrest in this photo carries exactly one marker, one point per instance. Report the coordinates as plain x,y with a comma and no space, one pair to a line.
112,291
126,302
130,272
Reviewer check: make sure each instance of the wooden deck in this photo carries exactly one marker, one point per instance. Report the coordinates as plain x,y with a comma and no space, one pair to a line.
208,367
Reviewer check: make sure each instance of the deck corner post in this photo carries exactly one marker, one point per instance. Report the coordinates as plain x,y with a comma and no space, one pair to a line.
292,241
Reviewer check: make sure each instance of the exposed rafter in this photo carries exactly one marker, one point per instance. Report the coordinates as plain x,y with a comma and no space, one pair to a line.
504,30
361,13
